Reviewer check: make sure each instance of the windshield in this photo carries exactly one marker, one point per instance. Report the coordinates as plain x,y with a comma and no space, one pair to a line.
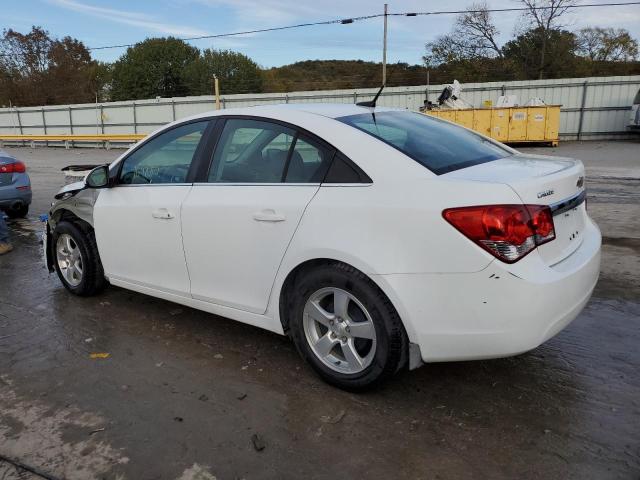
437,145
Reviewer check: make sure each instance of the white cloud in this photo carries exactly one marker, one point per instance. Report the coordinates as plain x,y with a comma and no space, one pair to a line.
135,19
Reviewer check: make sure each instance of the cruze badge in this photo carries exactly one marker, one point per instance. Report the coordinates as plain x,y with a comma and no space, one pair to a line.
546,193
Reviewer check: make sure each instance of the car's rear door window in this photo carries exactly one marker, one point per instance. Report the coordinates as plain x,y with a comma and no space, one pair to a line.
309,161
261,151
251,151
439,146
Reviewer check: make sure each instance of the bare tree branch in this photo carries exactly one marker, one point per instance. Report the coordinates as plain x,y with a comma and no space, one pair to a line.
476,26
545,16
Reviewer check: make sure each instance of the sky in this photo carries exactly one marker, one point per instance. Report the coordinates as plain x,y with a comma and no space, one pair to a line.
107,22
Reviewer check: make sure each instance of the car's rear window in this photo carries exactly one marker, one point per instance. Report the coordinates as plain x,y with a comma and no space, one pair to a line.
438,145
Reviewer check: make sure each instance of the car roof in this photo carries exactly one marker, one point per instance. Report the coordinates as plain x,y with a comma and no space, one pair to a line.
329,110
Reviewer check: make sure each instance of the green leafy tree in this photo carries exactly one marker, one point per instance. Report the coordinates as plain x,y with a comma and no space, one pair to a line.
102,75
236,72
154,67
560,61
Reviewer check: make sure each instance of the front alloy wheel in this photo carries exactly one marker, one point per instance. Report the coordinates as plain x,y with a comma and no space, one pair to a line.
69,259
76,256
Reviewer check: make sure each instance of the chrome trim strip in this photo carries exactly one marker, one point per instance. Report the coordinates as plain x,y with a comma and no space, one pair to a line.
568,203
254,184
138,185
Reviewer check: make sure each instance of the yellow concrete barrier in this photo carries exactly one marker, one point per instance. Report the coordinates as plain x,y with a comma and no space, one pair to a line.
98,137
509,125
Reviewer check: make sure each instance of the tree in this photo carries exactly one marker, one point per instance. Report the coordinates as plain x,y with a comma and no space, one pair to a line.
544,17
607,44
476,26
102,76
473,36
39,70
154,67
70,72
236,72
559,62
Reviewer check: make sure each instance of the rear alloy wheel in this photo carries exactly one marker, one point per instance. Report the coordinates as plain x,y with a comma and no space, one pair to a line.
345,327
76,259
339,330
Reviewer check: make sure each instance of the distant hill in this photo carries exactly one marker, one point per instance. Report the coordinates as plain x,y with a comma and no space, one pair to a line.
346,74
339,74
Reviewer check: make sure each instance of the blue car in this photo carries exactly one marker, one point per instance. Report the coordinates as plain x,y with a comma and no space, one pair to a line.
15,186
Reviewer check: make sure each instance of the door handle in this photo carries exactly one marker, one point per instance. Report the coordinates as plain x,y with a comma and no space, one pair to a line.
268,215
162,214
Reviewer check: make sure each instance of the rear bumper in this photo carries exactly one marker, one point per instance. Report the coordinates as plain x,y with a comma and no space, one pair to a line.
11,196
500,311
14,199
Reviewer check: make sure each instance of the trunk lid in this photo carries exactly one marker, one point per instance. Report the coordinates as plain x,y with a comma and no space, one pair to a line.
542,180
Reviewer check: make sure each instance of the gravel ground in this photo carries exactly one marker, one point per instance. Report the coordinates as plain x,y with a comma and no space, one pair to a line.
188,395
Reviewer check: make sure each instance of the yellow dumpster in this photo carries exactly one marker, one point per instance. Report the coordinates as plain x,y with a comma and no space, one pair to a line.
509,125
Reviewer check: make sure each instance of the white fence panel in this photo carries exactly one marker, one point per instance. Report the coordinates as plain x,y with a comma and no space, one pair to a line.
596,107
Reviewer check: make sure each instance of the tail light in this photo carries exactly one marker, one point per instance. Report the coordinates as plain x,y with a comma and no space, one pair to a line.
16,167
508,232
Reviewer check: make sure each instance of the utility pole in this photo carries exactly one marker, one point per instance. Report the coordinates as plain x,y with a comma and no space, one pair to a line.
384,48
216,89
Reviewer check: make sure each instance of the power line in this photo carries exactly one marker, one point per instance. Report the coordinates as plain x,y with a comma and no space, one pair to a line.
345,21
262,30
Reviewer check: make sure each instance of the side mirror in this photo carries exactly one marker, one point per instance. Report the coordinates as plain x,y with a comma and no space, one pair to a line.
98,177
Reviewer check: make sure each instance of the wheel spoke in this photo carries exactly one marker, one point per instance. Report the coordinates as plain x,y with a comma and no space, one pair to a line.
67,244
319,314
351,355
68,273
362,330
324,345
341,304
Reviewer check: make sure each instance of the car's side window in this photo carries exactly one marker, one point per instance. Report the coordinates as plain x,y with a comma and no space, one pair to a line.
251,151
309,162
343,170
164,159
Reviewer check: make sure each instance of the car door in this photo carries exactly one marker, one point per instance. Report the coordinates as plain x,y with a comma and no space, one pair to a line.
137,221
236,225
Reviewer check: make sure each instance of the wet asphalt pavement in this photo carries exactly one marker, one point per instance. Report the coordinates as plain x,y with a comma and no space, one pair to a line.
187,395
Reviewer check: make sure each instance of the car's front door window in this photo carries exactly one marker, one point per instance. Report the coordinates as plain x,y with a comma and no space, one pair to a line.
165,159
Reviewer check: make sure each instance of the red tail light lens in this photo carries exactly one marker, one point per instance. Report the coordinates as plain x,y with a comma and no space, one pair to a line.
16,167
508,232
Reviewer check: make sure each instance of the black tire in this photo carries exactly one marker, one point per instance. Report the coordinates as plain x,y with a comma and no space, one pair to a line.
93,280
20,212
391,336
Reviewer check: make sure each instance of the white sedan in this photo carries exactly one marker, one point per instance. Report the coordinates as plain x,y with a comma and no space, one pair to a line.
377,239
